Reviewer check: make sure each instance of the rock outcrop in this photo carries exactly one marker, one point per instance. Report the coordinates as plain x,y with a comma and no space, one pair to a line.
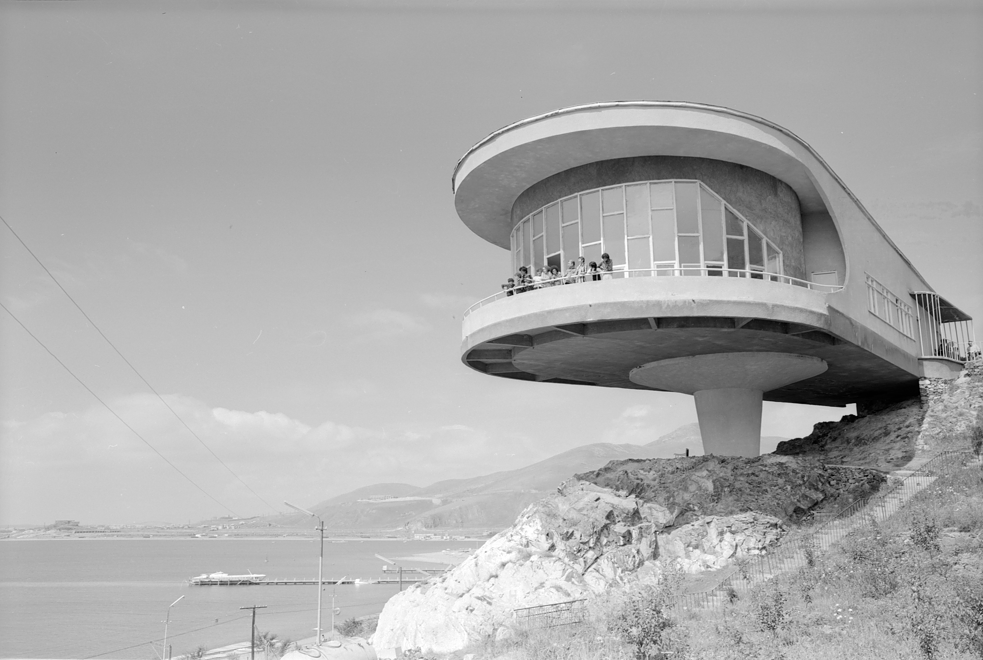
884,440
784,487
950,416
625,523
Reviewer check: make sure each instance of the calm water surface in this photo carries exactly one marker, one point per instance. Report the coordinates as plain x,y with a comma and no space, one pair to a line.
108,598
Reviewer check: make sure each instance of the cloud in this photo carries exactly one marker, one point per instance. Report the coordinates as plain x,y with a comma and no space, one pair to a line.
90,467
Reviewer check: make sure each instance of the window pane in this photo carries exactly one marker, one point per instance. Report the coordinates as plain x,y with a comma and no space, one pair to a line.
686,218
592,253
735,227
756,255
552,228
590,217
735,253
663,236
661,195
537,252
774,260
614,238
613,200
639,255
637,198
554,262
713,227
571,241
512,243
569,209
689,250
527,243
537,224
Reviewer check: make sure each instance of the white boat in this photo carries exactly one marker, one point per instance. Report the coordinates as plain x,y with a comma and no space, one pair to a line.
215,579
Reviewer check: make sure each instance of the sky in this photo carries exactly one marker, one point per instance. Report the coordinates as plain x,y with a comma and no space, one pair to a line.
252,202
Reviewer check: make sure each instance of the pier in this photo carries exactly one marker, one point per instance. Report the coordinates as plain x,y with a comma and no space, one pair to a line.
226,582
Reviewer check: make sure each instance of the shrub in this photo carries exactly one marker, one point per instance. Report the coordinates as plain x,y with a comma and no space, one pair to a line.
643,622
925,535
969,617
772,610
351,627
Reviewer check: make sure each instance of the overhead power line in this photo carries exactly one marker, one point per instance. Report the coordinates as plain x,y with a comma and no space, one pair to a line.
132,368
123,421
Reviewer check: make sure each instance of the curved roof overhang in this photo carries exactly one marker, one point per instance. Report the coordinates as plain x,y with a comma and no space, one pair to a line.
492,174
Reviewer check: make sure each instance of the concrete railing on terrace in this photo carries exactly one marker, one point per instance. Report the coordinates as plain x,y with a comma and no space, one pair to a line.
694,271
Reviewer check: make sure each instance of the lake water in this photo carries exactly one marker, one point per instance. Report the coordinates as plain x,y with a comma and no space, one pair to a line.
102,598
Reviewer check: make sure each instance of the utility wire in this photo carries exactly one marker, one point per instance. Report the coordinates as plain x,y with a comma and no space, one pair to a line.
123,421
154,641
134,369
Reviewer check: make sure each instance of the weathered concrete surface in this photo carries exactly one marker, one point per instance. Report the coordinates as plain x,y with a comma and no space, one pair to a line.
730,421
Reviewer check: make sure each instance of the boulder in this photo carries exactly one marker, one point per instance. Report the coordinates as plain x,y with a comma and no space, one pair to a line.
716,541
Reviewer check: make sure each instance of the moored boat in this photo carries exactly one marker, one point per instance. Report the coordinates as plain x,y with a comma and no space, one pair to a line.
219,578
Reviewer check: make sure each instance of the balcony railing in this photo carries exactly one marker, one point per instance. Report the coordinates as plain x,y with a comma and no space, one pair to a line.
594,279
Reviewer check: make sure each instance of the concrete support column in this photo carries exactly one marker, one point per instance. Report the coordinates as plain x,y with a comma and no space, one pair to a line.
730,421
728,388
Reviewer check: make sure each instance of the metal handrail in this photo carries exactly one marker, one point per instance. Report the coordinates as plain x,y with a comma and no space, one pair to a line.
671,271
795,554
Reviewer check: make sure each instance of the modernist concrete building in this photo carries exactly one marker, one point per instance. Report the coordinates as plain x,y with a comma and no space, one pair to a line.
744,269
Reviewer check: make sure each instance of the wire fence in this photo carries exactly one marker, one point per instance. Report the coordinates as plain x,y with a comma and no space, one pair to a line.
564,613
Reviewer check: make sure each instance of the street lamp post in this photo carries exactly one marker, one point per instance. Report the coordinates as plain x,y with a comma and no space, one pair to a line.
163,653
334,591
320,564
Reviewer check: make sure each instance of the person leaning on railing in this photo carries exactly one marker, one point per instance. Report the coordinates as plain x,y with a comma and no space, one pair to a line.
570,274
594,272
606,266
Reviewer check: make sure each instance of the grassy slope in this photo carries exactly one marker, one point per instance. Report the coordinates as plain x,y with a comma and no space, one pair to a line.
909,589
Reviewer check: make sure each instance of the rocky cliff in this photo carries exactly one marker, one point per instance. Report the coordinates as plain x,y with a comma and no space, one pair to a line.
627,522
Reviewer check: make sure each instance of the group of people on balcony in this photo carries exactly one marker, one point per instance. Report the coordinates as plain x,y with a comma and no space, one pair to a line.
577,271
950,349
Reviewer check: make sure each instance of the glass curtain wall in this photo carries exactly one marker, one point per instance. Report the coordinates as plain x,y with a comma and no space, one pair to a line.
649,228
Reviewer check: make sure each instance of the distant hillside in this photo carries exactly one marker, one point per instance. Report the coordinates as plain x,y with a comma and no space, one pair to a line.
487,502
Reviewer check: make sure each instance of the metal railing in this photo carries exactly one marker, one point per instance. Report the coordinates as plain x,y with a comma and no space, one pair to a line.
669,271
799,552
551,615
